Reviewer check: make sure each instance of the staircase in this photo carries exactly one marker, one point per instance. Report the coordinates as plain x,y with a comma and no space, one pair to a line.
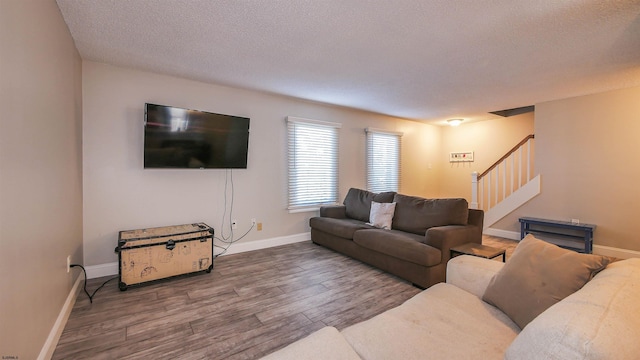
507,184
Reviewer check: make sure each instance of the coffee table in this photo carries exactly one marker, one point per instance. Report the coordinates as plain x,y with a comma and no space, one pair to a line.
482,251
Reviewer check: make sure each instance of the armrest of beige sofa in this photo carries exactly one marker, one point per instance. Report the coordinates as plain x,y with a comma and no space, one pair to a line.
472,273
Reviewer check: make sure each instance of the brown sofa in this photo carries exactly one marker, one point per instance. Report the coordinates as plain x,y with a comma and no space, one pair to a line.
416,248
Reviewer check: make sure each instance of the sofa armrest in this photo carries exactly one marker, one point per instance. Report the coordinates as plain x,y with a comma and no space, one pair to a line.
446,237
476,218
334,211
472,273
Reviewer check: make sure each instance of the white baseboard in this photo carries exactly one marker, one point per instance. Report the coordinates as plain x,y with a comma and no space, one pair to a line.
597,249
267,243
513,235
615,252
110,269
96,271
54,335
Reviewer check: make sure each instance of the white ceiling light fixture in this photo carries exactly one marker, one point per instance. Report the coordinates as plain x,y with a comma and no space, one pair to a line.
455,122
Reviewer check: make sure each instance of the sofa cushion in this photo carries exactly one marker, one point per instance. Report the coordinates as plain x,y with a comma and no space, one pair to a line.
358,202
416,215
326,343
442,322
600,321
381,215
344,228
538,275
400,245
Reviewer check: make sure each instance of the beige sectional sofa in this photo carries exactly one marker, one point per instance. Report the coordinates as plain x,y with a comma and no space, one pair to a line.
413,244
451,321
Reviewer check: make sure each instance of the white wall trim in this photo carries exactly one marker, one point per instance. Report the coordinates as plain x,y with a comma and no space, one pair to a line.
597,249
615,252
513,235
110,269
267,243
56,331
96,271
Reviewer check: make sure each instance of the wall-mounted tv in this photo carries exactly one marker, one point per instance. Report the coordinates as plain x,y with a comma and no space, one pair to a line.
191,139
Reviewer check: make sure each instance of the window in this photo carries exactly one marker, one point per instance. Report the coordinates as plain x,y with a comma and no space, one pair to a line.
313,163
383,160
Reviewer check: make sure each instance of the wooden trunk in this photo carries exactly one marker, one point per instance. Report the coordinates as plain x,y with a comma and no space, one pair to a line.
146,255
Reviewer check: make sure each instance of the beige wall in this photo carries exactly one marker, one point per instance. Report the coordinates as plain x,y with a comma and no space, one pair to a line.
587,153
40,172
489,140
119,194
420,159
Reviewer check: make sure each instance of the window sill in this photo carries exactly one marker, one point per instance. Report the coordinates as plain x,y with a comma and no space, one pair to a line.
301,210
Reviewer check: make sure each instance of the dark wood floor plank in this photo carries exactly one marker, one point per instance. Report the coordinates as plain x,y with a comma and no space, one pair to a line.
251,304
242,341
84,348
148,340
362,292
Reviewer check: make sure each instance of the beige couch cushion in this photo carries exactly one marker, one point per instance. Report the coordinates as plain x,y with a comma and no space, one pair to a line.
324,344
601,321
538,275
442,322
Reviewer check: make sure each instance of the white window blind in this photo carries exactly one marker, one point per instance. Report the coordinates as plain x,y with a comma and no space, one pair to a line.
383,160
313,163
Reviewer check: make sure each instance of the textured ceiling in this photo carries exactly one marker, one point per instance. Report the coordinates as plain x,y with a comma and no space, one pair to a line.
425,60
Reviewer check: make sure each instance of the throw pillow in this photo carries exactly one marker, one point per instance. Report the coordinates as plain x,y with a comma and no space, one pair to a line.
538,275
358,202
382,214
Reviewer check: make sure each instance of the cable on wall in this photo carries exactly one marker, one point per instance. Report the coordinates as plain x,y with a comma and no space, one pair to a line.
229,240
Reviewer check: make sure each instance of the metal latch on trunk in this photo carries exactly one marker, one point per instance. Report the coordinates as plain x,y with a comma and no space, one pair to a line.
170,245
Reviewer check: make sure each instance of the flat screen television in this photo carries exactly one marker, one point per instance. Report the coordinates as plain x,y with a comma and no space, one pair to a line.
191,139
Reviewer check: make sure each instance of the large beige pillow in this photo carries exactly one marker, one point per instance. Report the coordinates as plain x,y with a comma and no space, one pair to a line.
538,275
598,322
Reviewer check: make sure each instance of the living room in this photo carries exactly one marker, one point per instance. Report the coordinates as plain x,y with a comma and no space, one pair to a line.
72,174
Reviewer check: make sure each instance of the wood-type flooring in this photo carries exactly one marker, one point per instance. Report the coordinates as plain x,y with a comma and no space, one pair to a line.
250,305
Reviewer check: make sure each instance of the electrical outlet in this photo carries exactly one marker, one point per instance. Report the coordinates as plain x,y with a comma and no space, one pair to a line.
259,226
253,221
68,263
234,224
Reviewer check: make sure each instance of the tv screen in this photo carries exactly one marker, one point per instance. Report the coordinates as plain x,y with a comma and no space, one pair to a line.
182,138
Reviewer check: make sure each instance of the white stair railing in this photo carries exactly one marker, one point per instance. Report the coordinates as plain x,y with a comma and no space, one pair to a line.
506,176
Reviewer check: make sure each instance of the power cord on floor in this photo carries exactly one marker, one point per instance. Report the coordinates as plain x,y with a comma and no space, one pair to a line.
85,282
